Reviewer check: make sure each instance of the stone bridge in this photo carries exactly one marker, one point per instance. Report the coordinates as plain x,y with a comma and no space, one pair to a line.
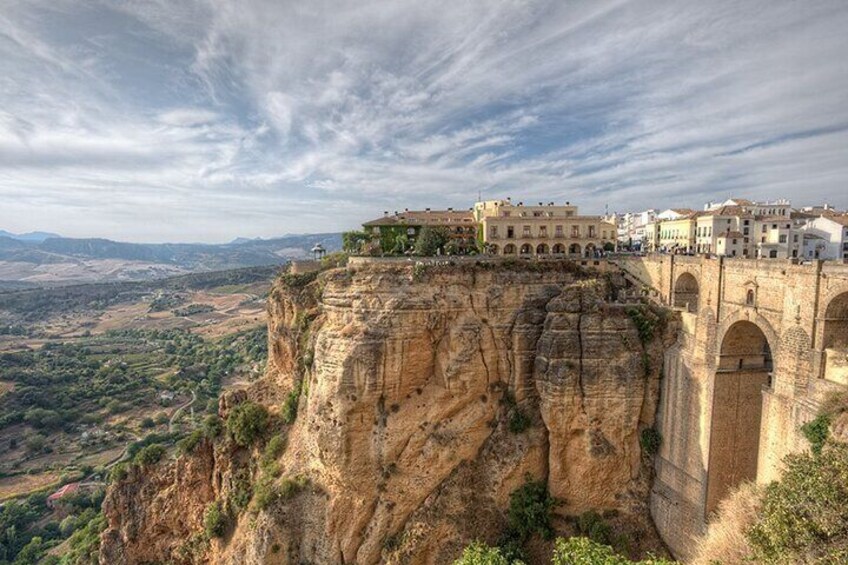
762,344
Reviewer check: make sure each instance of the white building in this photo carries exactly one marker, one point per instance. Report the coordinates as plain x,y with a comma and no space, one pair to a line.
826,237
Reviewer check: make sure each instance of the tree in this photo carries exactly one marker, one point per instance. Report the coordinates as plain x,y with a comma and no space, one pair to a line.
246,422
479,553
352,240
431,240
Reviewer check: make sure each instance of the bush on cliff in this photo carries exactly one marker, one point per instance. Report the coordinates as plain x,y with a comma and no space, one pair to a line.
149,455
214,521
583,551
247,422
650,440
289,410
804,517
530,508
479,553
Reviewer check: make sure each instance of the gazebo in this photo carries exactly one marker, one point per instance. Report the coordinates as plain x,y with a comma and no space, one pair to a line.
318,251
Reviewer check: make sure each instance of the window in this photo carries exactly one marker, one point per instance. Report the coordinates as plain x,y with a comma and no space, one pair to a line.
745,231
537,214
526,231
774,226
575,231
745,252
558,231
745,240
773,254
746,222
749,297
493,231
506,214
765,228
510,232
543,231
782,238
795,238
591,231
734,242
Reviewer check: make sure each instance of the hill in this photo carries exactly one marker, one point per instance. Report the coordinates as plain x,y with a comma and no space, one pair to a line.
62,260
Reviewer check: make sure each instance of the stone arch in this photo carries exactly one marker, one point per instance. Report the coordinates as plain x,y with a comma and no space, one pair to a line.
744,369
526,249
834,343
558,249
686,291
494,249
590,250
509,249
574,249
542,249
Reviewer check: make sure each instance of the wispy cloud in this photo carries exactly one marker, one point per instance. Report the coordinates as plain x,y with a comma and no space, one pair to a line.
206,119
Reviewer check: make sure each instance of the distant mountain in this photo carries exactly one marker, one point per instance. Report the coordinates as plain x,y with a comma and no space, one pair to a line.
37,236
62,259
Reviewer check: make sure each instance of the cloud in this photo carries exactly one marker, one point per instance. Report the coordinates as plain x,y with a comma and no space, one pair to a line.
208,119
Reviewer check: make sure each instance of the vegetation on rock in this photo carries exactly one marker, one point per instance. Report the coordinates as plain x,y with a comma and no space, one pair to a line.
247,422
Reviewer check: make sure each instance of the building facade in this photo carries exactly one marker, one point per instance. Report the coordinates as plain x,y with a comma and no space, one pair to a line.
398,232
543,230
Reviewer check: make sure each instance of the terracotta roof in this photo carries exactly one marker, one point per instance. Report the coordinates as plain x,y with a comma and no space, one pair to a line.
683,211
423,217
728,211
67,489
843,219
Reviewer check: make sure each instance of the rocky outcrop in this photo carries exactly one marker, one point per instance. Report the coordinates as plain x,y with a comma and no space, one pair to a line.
412,428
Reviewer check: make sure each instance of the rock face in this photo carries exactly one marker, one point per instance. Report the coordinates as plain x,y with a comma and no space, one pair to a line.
412,379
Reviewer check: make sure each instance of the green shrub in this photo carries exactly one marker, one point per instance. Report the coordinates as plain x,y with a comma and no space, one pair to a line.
650,440
212,426
593,526
214,521
431,240
149,455
518,421
247,422
272,452
479,553
583,551
530,508
804,516
289,410
188,443
648,321
147,423
816,432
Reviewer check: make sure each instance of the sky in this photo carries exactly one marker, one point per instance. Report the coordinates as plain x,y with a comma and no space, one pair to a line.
204,120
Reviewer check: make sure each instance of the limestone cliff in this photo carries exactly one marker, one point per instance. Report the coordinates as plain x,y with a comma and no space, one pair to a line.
417,382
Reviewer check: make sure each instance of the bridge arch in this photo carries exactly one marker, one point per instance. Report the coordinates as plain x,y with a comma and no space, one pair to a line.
835,338
744,368
686,291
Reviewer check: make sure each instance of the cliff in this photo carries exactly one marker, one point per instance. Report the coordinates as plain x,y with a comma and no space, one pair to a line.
428,395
